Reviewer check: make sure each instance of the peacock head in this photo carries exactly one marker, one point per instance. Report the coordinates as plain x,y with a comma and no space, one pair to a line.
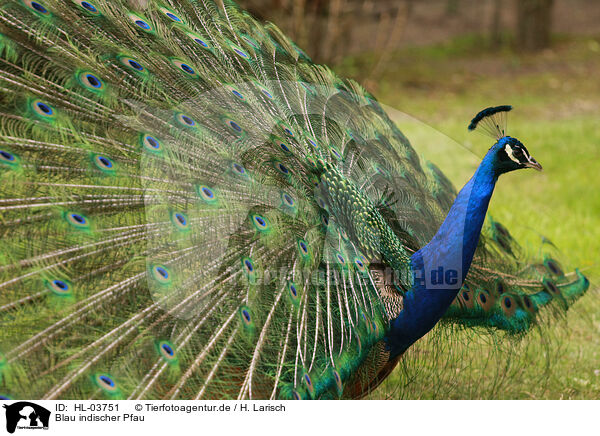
512,155
508,153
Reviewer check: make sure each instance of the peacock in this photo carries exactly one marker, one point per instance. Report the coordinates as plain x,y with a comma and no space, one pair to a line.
191,208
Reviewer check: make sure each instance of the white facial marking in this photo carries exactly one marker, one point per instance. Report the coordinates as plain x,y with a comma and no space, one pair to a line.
530,159
509,152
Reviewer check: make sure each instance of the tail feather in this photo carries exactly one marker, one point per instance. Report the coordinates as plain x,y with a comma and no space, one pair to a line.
507,291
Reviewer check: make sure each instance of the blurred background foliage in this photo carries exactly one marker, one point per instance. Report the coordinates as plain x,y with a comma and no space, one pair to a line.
441,61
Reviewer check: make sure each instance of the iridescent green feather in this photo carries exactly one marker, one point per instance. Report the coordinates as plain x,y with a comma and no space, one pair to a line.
158,241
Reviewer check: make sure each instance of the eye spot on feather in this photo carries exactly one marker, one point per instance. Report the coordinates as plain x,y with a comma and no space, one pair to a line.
141,23
103,163
508,305
465,297
260,223
59,287
151,143
93,81
236,93
88,7
359,264
308,383
282,168
551,287
528,304
553,267
105,382
43,109
171,15
77,220
186,68
338,380
336,153
206,194
313,143
233,126
501,230
135,65
90,81
201,42
161,274
296,395
249,269
8,159
265,92
198,40
287,199
132,64
303,247
287,130
239,51
280,143
37,7
180,221
185,120
341,259
238,169
245,315
293,290
251,42
167,351
484,300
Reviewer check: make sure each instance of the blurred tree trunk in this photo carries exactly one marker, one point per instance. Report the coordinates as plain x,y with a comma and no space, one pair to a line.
452,7
496,30
393,33
327,29
534,23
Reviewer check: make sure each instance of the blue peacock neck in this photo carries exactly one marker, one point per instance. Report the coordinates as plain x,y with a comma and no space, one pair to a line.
439,269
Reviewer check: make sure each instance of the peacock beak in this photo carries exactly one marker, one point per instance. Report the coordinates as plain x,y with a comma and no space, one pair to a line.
532,163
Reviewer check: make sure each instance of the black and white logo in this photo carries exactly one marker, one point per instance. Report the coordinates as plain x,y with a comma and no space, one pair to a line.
26,415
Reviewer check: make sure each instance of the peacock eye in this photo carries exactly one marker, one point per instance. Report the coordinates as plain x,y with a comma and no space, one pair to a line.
518,152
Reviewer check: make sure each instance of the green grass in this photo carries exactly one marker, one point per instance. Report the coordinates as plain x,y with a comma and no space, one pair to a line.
556,96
